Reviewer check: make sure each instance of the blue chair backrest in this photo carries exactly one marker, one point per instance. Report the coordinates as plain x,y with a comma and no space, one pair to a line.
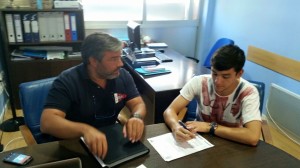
220,43
32,98
191,113
260,86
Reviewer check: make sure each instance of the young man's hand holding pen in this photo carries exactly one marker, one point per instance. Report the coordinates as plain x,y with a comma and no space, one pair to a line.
183,133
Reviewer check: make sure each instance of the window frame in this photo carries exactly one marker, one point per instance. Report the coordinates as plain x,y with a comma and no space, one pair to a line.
190,22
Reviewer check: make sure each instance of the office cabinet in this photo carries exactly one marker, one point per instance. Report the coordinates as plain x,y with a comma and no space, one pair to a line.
20,69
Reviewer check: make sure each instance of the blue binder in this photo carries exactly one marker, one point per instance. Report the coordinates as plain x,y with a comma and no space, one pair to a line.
73,26
35,28
27,27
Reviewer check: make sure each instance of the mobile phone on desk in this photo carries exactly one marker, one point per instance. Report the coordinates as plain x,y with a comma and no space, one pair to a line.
17,158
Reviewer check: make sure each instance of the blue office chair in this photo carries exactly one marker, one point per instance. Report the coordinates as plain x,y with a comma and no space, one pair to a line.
32,98
220,43
190,112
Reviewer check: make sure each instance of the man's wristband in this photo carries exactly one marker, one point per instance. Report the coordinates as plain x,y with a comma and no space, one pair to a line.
213,127
137,115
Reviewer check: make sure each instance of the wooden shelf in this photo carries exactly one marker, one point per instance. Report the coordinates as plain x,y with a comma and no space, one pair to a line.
19,71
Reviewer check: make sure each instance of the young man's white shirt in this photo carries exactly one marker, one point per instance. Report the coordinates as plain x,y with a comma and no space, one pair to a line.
234,110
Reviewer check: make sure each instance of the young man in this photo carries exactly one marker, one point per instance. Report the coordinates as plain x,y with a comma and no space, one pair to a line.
228,105
91,95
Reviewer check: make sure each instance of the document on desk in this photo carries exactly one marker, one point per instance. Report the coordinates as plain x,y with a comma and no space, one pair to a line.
169,149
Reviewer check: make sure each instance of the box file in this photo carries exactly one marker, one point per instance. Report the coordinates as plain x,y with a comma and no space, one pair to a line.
73,27
35,28
26,27
18,27
60,28
10,28
67,4
67,27
43,18
52,26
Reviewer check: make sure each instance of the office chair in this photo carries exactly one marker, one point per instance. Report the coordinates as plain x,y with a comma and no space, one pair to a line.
33,95
220,43
189,113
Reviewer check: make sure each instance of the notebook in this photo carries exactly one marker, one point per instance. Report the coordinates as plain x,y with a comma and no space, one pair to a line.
120,149
68,163
144,72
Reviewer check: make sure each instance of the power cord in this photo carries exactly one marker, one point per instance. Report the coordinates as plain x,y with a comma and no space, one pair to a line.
3,86
11,142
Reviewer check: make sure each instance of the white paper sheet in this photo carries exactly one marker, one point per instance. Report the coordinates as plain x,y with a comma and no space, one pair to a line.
169,149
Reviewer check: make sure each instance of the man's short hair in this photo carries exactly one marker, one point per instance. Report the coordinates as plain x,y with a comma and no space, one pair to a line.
94,45
227,57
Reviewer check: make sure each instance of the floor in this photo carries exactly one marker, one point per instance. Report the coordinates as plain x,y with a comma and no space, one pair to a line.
13,140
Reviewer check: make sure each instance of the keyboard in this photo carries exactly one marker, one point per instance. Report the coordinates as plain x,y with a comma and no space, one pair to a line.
163,57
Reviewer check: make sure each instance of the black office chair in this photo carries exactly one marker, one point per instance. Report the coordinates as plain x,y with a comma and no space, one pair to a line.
190,112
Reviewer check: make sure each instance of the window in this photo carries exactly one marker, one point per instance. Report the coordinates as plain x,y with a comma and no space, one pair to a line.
140,10
112,10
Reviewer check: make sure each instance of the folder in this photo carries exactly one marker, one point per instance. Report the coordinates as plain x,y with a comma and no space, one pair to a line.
52,26
26,27
10,28
18,27
73,27
35,54
35,27
120,149
43,19
67,27
145,72
60,28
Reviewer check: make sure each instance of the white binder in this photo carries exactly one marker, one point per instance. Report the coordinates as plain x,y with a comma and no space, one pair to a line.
52,26
43,18
18,27
60,28
10,28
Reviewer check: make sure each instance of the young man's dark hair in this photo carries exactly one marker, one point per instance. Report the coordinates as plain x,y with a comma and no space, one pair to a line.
230,56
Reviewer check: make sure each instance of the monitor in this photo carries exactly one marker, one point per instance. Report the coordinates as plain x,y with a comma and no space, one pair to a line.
134,36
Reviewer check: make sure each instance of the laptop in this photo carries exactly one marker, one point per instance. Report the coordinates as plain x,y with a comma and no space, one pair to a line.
68,163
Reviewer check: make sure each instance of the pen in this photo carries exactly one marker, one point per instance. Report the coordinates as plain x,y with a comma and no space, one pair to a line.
182,124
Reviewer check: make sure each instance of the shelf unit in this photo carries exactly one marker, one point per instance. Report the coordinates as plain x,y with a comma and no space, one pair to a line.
19,71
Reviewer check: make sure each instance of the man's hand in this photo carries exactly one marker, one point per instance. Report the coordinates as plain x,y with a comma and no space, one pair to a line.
181,134
96,141
134,129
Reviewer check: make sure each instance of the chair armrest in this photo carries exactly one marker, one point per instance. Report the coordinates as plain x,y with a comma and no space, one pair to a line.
266,134
182,113
27,135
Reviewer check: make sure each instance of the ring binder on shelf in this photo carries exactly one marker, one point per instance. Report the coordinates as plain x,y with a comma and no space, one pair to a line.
10,28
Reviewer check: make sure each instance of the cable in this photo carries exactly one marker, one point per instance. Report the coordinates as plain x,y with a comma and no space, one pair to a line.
11,142
279,127
4,88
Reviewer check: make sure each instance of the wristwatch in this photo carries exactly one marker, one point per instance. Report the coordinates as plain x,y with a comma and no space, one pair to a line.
213,127
137,115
